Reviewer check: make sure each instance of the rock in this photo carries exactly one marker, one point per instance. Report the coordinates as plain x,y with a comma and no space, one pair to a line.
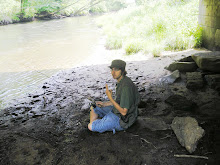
142,104
170,78
163,112
153,123
188,132
213,81
208,61
182,66
194,80
6,20
180,103
28,19
211,108
187,59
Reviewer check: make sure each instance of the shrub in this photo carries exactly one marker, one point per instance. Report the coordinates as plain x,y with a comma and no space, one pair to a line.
162,24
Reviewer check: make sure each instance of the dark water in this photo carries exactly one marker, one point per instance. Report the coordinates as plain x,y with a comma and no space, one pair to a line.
32,52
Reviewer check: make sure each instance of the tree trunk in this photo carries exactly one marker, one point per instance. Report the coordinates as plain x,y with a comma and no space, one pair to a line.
23,5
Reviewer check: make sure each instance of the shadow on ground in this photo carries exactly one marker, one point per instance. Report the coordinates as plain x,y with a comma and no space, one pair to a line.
50,126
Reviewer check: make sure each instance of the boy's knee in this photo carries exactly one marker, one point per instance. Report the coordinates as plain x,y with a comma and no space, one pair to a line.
90,126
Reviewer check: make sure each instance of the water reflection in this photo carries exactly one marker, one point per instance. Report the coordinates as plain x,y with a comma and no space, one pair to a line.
32,52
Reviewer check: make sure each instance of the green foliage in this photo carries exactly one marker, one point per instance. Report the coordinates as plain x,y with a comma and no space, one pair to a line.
80,8
88,7
14,9
113,43
133,46
47,9
44,6
115,5
198,36
154,26
99,8
9,10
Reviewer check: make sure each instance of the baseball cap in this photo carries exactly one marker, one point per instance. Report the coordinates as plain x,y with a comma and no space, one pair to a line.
119,64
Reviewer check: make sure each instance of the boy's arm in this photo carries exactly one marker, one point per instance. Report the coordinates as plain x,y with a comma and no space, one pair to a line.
123,111
103,104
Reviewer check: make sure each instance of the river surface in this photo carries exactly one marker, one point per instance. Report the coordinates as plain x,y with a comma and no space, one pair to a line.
32,52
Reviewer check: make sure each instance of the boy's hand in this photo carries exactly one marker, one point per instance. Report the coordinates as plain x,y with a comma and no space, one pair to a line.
108,92
99,103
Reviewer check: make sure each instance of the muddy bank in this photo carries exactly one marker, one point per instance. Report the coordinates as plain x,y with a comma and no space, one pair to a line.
46,16
50,126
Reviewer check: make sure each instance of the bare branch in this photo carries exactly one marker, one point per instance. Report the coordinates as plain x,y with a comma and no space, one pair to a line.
191,156
65,7
85,7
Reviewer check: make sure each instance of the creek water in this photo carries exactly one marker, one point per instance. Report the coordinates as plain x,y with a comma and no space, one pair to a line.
32,52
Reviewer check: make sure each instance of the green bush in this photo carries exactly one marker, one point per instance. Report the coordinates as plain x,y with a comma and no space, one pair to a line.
159,25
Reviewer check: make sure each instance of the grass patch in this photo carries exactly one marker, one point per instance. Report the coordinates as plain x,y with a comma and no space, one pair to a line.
132,46
155,26
113,43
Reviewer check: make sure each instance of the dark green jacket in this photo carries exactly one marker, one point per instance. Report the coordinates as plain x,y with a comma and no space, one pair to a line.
127,96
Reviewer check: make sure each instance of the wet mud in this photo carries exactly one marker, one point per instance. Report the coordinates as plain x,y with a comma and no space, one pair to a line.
50,125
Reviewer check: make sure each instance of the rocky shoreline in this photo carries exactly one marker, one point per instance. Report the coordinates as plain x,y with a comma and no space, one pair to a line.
50,126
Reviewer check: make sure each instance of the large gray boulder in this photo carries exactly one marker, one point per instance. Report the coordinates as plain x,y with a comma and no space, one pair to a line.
188,132
187,59
208,61
182,66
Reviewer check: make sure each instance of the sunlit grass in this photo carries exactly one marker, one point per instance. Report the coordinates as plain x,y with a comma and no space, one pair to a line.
9,10
154,27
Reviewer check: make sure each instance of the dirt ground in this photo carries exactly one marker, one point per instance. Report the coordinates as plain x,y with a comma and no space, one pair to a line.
50,126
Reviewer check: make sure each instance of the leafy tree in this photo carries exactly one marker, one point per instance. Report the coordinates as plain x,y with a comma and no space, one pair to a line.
23,5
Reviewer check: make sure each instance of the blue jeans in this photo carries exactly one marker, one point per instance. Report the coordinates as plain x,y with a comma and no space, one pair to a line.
109,121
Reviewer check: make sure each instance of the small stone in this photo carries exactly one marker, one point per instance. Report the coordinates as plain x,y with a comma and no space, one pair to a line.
170,78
